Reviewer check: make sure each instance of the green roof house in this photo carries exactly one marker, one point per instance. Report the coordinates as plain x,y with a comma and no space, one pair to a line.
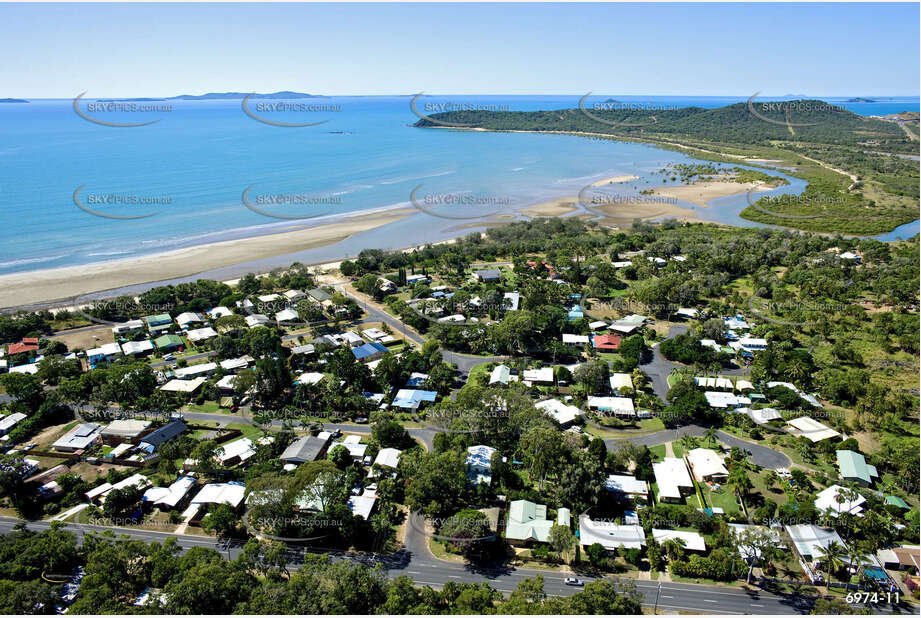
854,467
158,322
896,501
168,342
527,522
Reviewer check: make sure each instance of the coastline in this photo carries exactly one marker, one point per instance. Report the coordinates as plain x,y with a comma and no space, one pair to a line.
70,282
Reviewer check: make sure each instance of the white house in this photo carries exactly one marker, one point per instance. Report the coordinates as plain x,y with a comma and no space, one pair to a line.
561,413
610,535
707,465
673,479
479,463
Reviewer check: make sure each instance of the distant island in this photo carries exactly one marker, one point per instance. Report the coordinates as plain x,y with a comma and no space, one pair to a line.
860,100
228,96
13,101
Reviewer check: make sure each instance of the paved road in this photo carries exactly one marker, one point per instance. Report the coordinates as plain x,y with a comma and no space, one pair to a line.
761,455
658,368
417,562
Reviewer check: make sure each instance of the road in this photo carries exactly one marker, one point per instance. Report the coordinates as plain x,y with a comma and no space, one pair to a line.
415,561
761,455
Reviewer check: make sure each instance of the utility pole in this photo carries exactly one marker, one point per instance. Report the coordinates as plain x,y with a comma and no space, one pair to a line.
656,606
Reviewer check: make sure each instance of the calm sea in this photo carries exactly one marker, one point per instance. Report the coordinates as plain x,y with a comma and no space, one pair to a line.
192,166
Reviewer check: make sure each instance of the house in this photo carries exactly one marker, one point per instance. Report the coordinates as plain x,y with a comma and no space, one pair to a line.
319,295
80,437
539,376
353,445
606,343
500,374
226,383
491,274
304,350
183,386
853,467
310,378
834,500
561,413
124,429
753,344
629,323
609,535
619,381
416,379
617,406
692,540
373,334
22,346
906,557
8,422
353,339
411,399
235,452
479,463
575,313
308,448
810,541
166,343
673,480
719,399
158,323
31,369
369,351
201,369
569,339
230,493
363,505
747,552
417,278
744,385
597,325
287,316
219,312
104,353
132,348
762,416
528,523
257,319
168,498
154,439
138,481
268,298
235,364
686,312
627,486
126,328
293,296
850,257
388,458
707,466
810,428
188,317
200,334
511,300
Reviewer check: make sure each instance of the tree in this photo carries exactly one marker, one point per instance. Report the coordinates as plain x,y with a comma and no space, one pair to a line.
595,553
222,520
389,433
673,548
562,539
833,559
120,503
340,456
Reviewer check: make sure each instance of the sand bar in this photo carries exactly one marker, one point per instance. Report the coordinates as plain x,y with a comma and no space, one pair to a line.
700,193
68,282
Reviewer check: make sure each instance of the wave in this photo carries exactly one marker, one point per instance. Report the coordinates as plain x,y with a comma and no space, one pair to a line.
409,178
35,260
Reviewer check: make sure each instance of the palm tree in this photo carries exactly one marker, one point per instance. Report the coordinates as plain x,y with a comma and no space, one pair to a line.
673,548
740,482
832,557
710,435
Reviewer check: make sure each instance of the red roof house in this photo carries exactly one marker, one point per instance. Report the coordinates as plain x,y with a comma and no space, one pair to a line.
17,348
606,343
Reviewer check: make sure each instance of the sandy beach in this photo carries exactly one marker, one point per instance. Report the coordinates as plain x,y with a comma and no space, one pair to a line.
700,193
69,282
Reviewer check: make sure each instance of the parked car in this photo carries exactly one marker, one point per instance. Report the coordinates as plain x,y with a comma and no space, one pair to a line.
169,357
573,581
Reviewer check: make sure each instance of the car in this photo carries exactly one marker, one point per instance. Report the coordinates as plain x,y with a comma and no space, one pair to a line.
573,581
169,357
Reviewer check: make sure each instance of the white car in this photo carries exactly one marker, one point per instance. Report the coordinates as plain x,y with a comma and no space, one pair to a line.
573,581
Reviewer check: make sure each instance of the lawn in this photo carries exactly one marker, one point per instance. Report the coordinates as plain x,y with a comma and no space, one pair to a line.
722,498
658,451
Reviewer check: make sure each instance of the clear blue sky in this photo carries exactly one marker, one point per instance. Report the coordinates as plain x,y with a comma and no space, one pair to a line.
682,49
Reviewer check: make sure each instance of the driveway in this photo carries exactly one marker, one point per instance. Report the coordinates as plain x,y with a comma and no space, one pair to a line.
659,368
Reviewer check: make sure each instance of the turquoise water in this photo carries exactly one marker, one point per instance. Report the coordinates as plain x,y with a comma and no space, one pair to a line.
197,160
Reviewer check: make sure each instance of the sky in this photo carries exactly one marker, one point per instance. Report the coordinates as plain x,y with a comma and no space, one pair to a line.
849,49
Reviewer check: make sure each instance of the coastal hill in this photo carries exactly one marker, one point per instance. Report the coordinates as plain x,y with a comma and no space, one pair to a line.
730,124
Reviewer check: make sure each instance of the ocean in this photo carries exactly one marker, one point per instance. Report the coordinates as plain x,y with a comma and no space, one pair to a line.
188,171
